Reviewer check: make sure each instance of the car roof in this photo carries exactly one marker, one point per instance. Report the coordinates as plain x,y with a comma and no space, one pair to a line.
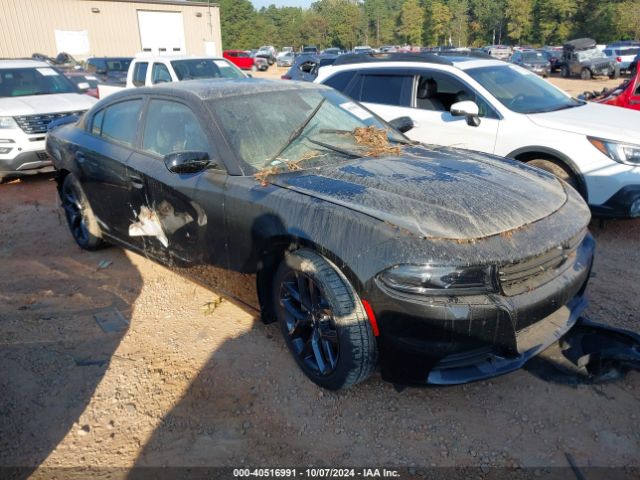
454,59
211,89
142,57
17,63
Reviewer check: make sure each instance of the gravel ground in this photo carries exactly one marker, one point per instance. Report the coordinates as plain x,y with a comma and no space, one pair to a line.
110,360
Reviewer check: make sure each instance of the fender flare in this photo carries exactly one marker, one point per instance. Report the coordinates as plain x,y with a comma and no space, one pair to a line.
547,152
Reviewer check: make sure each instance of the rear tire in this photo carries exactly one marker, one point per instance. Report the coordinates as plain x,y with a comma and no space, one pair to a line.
555,168
80,218
323,321
585,74
254,68
564,72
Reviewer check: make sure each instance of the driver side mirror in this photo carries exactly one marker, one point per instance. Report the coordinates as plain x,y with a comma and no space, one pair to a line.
467,109
402,124
186,162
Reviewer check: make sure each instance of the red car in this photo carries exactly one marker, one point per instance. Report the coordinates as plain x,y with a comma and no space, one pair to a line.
241,59
626,95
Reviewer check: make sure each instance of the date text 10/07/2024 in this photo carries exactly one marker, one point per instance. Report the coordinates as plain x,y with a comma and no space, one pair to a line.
316,472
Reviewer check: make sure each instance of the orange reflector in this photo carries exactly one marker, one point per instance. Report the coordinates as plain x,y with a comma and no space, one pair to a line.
372,318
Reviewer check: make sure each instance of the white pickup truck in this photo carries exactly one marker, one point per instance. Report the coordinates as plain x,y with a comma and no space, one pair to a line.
147,71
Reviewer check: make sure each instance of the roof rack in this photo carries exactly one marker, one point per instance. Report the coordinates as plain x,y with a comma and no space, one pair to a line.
464,53
390,57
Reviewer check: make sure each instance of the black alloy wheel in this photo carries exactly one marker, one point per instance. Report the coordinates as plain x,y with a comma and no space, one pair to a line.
79,215
323,321
309,322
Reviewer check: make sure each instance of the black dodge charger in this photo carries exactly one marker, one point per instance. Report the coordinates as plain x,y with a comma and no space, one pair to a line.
438,265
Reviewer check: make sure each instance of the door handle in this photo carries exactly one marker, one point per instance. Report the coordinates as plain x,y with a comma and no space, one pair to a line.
136,182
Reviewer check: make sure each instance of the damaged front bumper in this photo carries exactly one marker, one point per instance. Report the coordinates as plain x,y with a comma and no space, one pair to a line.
452,340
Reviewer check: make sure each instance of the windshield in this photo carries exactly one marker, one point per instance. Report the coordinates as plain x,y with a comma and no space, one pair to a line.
520,90
92,81
590,55
315,126
21,82
119,64
533,57
205,68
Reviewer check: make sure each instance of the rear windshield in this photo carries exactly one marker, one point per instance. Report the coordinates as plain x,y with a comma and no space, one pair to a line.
193,69
118,64
21,82
628,51
532,56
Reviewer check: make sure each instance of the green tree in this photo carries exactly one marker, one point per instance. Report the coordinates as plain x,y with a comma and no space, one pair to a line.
440,22
554,20
627,20
519,15
344,21
412,22
459,21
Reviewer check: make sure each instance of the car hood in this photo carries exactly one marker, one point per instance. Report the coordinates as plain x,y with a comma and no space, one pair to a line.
436,193
35,104
593,119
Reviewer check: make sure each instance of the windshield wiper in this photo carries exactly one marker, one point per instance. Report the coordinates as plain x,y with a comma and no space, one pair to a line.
297,132
350,132
555,109
335,149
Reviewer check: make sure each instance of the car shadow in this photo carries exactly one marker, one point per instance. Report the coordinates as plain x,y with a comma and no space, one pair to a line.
63,314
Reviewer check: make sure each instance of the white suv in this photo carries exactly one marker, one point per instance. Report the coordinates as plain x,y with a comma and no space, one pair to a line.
32,94
622,55
499,108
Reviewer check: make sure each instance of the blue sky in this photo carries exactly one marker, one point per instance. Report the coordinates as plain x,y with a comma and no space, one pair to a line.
281,3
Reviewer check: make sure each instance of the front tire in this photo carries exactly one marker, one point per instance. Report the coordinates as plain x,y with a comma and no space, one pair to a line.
585,74
556,169
323,321
565,72
80,218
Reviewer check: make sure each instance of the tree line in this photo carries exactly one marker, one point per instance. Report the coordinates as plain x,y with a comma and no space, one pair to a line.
347,23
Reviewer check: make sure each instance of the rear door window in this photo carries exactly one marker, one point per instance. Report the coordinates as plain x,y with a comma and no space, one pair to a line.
120,122
340,81
140,73
385,89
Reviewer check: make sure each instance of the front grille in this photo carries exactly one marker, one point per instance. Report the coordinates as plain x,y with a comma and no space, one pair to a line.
38,123
601,66
529,274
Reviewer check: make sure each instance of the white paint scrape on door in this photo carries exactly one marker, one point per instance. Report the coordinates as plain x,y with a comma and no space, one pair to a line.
161,32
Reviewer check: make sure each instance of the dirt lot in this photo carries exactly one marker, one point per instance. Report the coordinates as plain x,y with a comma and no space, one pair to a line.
123,365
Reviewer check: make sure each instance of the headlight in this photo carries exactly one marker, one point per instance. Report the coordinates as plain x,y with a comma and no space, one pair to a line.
8,122
439,280
620,152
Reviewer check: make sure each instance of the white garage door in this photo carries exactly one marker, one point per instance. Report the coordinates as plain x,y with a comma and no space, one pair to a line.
161,32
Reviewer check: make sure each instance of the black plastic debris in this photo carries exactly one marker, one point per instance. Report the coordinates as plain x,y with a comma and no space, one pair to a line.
111,321
589,353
